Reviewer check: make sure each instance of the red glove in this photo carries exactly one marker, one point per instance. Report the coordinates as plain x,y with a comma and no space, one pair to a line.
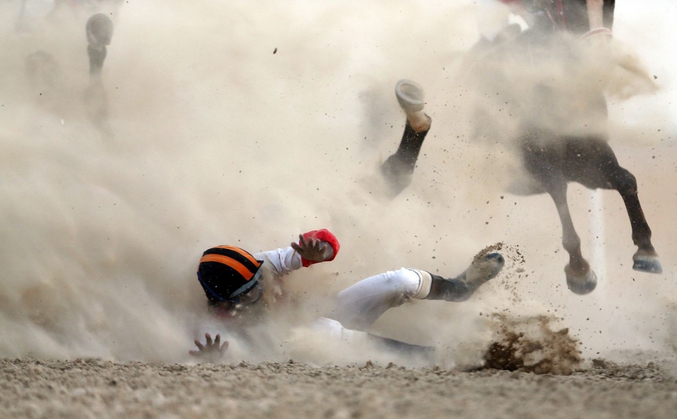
326,236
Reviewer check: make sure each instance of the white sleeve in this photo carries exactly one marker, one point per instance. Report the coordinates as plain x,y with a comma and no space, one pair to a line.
281,261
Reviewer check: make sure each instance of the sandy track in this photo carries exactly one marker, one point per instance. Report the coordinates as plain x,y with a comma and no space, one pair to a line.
101,389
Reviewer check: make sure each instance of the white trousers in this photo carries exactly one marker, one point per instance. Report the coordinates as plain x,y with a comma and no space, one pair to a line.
360,305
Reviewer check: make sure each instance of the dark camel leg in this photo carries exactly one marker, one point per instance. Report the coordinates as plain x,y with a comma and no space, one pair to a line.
99,31
646,258
580,278
398,169
97,55
544,163
592,163
620,179
95,97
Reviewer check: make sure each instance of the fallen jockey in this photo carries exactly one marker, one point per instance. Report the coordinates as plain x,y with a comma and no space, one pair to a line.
240,286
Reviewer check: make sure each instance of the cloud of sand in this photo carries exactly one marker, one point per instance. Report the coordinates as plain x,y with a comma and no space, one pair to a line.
247,123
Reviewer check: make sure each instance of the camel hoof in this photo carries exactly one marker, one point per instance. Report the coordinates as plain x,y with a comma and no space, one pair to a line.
409,95
581,285
99,30
646,263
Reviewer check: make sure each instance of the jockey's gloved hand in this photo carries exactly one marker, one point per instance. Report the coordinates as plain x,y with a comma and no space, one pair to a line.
211,351
316,246
313,249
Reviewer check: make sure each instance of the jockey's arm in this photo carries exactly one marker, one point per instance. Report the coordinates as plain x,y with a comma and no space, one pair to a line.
313,247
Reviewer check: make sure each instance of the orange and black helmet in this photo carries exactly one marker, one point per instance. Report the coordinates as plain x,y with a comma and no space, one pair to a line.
226,272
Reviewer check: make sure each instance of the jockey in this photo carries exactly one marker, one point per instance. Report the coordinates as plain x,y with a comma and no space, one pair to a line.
240,286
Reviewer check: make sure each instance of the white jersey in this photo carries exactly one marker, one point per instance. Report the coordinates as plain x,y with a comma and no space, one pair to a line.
280,262
277,264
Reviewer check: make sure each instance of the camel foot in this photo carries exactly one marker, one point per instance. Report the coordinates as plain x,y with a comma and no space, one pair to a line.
647,263
99,30
410,96
581,284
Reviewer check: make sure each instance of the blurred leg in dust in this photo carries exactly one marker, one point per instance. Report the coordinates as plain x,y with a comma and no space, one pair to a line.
99,31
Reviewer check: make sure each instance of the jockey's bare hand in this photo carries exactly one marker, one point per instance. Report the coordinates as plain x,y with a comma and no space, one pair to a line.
211,350
313,249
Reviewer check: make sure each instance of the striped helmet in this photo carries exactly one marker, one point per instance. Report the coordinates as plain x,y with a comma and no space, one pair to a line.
226,272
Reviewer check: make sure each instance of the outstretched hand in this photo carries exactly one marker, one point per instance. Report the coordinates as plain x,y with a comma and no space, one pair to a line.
313,249
211,350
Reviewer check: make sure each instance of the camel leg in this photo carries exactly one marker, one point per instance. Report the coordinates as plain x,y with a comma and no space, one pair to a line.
620,179
646,258
99,30
96,100
594,164
580,278
541,163
398,169
97,55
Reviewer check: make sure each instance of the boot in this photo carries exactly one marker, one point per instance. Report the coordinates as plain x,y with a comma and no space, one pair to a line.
481,270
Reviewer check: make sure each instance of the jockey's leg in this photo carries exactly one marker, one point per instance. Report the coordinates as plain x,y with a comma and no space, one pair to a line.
361,304
335,330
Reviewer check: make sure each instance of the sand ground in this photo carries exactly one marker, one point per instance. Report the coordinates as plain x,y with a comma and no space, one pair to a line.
93,388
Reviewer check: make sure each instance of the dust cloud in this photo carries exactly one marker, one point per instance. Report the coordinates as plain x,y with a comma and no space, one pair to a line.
246,123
